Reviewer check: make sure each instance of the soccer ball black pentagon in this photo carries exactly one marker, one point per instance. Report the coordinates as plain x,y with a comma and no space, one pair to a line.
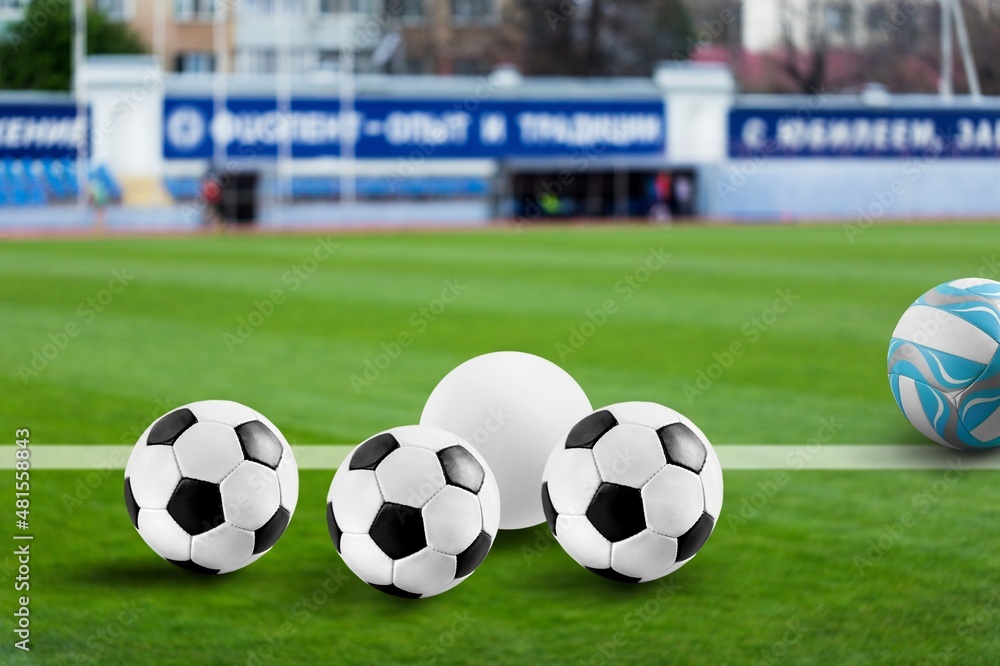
633,492
413,511
211,486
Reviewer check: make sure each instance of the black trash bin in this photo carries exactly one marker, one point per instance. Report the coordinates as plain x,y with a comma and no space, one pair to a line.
239,197
232,195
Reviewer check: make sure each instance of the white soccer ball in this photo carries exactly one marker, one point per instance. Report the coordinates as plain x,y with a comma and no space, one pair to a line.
511,407
633,492
413,511
211,486
944,369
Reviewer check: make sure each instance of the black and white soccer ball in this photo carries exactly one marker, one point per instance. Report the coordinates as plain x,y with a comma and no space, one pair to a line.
633,492
211,486
413,511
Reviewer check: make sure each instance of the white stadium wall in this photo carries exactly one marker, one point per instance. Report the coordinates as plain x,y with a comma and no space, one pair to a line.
864,158
865,191
126,103
756,157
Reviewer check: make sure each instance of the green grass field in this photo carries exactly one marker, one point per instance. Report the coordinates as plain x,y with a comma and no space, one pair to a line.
805,567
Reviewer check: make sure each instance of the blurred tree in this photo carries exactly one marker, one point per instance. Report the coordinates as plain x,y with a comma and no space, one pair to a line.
36,52
809,31
983,20
716,22
602,37
904,54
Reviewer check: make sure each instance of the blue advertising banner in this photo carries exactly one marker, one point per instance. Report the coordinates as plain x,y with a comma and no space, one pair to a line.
422,129
30,131
864,132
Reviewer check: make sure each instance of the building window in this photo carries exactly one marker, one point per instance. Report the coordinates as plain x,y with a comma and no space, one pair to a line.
193,10
270,7
353,6
329,61
116,10
258,61
837,19
12,10
258,6
408,11
269,61
195,62
472,11
470,66
415,66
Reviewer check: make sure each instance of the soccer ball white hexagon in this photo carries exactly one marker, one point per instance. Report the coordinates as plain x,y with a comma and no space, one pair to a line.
413,511
211,486
633,492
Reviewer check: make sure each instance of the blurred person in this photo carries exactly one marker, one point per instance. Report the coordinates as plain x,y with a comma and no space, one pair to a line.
683,195
211,193
97,198
661,186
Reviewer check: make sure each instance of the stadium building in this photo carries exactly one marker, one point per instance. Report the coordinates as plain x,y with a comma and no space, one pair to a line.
477,148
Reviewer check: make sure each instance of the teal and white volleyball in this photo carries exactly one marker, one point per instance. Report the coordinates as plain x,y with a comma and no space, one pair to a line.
944,364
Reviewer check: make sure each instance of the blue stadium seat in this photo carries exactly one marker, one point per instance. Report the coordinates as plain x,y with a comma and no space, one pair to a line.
54,189
111,186
65,170
182,187
38,182
28,188
321,188
6,187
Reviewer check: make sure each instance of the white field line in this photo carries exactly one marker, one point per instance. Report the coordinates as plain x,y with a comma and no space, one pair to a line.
732,456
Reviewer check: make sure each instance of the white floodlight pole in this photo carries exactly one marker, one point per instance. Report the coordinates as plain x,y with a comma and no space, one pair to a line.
80,95
283,96
160,32
347,96
966,50
220,47
945,87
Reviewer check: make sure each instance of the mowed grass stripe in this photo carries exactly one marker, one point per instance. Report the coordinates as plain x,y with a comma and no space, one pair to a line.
819,568
161,342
